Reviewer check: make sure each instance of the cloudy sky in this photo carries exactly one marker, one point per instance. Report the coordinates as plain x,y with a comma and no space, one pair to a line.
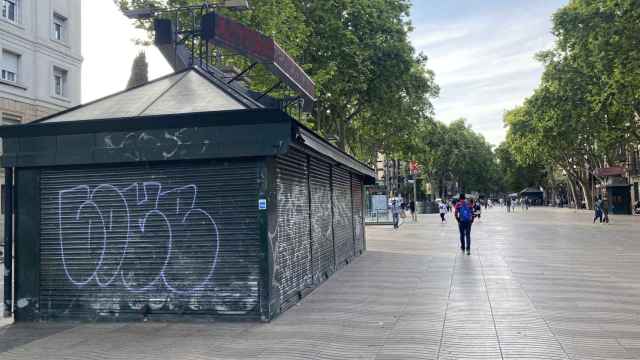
481,51
482,54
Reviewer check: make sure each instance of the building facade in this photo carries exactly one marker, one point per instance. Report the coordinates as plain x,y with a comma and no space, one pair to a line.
40,61
40,58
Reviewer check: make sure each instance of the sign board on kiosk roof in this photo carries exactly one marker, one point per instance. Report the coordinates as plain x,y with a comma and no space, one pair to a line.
232,35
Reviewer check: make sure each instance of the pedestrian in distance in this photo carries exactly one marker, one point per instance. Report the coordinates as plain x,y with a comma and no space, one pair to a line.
412,208
395,212
508,204
403,208
598,210
464,216
477,210
443,212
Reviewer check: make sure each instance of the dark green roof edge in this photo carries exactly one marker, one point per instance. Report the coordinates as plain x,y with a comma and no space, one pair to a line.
204,119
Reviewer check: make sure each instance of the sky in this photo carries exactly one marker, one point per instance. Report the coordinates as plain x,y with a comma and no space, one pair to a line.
108,49
482,52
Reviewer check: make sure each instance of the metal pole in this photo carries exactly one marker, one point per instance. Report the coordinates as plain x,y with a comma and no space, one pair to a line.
8,241
415,197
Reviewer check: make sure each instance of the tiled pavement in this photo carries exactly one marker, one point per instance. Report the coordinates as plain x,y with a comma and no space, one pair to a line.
542,285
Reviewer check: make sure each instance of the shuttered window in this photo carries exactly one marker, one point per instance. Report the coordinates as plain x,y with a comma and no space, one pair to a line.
10,66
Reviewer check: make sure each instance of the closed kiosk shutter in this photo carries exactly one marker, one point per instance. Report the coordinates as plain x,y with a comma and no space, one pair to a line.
343,217
321,227
166,239
293,236
358,213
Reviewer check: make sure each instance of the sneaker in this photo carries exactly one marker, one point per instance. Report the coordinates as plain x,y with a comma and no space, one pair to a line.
468,251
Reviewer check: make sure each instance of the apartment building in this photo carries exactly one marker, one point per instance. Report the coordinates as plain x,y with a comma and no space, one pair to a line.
40,61
40,58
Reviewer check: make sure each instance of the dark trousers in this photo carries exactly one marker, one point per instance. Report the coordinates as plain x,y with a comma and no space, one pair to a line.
465,235
396,220
442,217
598,216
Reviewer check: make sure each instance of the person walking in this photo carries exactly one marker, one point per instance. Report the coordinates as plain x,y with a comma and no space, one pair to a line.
395,212
412,208
443,212
464,216
598,210
477,210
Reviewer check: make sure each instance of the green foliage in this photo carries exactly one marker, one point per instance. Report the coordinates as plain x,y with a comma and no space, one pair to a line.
374,90
139,71
601,39
455,153
585,110
515,176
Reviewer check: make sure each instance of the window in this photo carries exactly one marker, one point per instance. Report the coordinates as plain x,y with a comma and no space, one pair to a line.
10,9
59,82
9,66
59,27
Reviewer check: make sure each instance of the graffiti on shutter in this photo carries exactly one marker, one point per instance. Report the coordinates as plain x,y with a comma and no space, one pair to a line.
358,213
293,243
157,239
343,217
321,229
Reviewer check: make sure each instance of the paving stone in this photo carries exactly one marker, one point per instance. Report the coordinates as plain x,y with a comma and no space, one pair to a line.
545,284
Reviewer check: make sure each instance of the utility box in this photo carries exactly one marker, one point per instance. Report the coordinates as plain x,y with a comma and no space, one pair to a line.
180,198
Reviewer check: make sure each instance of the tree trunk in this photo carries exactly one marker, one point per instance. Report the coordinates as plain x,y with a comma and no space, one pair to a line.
574,195
586,191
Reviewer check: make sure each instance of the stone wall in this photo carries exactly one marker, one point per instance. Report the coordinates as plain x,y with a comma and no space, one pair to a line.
28,112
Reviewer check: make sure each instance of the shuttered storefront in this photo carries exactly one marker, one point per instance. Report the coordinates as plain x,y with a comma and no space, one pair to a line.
358,213
158,239
343,217
294,248
321,226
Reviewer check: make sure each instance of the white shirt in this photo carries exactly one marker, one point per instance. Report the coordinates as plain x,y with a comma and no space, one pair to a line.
443,208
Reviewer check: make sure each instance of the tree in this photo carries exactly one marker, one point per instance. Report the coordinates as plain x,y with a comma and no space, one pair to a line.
585,110
373,89
516,176
455,154
600,37
139,71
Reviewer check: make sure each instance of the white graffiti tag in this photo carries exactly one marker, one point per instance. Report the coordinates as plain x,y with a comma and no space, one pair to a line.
139,238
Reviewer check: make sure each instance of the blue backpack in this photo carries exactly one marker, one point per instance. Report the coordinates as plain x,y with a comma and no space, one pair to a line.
465,213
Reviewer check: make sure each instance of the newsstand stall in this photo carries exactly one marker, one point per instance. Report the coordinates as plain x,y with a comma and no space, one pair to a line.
180,198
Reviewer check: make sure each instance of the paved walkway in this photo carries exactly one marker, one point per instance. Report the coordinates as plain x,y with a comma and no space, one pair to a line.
542,285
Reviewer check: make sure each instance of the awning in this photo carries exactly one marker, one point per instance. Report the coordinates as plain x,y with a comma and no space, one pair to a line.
609,171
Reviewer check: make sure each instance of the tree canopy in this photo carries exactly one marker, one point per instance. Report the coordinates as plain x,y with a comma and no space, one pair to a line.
584,112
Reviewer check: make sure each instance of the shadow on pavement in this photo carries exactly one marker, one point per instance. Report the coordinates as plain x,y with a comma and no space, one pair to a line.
15,335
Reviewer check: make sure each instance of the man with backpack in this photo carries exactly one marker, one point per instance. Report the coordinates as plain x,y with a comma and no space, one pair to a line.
464,215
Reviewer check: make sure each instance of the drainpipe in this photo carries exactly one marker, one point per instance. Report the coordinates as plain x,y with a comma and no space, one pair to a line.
8,241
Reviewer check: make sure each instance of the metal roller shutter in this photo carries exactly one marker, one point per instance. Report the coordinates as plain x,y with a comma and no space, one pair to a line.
343,217
321,227
358,213
166,239
294,248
